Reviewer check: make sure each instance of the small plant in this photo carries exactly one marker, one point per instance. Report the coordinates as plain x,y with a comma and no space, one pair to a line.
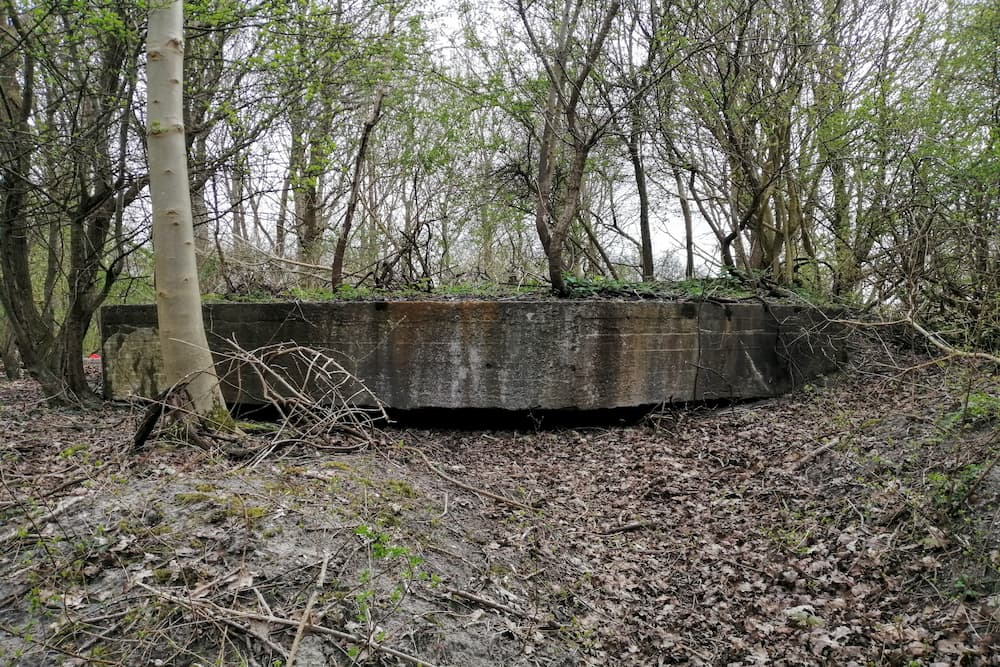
378,543
967,589
73,450
979,408
387,579
401,488
192,498
949,490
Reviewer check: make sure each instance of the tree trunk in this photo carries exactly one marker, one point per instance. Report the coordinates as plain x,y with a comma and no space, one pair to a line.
31,328
50,310
8,351
337,269
280,226
688,224
568,73
639,170
186,357
202,223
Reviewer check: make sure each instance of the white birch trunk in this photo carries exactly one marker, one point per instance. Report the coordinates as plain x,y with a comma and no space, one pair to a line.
186,357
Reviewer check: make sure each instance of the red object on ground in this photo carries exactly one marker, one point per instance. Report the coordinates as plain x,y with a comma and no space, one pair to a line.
94,356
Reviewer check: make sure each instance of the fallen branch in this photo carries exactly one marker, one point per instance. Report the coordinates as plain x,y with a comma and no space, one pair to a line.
173,405
151,418
795,465
247,629
936,341
73,481
207,605
932,338
471,489
313,394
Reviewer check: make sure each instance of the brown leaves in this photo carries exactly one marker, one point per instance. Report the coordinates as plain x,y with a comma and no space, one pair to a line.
799,531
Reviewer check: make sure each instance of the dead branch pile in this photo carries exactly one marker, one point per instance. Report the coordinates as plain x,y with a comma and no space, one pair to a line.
316,401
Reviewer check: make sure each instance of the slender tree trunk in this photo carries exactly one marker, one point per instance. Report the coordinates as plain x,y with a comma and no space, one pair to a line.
639,170
688,224
237,190
546,170
186,357
31,327
337,269
598,248
202,223
280,231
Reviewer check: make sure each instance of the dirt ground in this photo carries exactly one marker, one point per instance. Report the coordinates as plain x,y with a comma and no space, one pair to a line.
852,523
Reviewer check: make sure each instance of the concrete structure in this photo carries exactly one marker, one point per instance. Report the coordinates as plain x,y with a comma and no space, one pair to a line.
516,355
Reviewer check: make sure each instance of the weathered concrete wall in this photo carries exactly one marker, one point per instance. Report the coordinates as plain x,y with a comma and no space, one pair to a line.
509,354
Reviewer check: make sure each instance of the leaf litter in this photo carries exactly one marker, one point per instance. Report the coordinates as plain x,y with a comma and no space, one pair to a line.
852,523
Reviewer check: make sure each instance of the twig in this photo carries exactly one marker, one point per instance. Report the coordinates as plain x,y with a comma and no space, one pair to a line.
85,646
629,527
931,337
467,487
314,395
51,492
149,420
984,471
936,341
277,648
444,512
492,604
305,614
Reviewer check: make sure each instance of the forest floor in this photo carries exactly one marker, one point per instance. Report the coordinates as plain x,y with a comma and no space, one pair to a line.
854,522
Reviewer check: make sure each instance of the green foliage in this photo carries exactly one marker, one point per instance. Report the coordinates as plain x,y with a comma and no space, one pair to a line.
948,490
707,288
387,561
379,543
597,285
979,408
73,450
724,288
322,293
363,293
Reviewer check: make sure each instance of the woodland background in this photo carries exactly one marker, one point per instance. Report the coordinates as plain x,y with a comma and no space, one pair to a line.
842,148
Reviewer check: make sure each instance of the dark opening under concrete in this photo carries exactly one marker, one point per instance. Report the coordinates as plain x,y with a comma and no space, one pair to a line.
508,355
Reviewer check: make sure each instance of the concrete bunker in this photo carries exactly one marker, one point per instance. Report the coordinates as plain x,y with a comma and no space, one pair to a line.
506,355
